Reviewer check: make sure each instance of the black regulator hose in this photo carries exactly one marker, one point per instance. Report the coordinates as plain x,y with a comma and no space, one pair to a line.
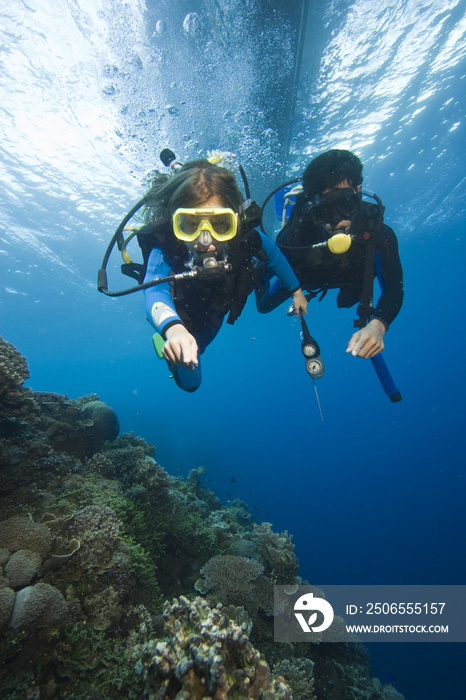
146,285
245,182
102,283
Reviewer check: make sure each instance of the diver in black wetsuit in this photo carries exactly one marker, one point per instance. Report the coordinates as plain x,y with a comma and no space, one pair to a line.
331,206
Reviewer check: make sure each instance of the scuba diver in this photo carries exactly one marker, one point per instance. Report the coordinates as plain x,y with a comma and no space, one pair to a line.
334,239
199,228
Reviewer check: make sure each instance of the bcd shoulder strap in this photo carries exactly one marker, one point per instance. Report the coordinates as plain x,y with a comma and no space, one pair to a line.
249,246
371,239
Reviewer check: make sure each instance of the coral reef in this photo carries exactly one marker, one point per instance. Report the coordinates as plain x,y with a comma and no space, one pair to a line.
102,554
387,692
102,420
229,574
40,605
205,655
7,601
299,675
22,567
231,580
23,533
13,373
25,606
278,552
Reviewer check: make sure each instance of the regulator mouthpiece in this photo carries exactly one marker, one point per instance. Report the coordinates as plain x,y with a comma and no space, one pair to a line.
213,267
209,263
338,244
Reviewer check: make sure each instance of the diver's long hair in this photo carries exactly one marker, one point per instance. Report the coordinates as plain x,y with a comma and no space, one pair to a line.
192,185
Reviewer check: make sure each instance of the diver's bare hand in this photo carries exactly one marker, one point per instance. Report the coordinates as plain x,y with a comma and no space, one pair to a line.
299,303
368,342
180,346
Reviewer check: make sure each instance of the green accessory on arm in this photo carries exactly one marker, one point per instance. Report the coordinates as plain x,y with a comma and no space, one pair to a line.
158,342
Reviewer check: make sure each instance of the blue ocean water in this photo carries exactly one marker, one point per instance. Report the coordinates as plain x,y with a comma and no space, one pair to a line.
91,92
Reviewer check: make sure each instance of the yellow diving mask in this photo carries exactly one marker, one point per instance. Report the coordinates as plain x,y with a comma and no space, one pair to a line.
188,224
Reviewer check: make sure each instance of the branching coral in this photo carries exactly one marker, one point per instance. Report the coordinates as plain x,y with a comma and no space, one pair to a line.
299,674
229,573
232,580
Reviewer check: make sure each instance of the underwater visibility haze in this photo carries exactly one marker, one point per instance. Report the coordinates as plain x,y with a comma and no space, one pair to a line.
92,91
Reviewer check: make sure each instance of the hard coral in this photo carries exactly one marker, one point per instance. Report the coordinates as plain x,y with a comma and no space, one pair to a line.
278,551
13,372
205,655
7,601
75,428
104,609
230,574
101,420
63,550
299,674
22,567
233,580
98,531
389,692
41,605
23,533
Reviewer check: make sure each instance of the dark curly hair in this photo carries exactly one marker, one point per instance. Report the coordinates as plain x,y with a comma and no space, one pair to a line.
330,168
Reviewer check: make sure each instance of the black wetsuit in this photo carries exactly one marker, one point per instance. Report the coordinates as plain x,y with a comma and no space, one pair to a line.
319,269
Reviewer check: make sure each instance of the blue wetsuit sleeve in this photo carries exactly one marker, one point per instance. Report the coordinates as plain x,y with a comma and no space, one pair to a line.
279,265
160,308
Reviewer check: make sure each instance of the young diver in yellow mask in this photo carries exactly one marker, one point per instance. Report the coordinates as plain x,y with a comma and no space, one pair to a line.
198,220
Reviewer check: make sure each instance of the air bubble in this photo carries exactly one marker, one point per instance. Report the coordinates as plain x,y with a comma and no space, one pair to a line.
192,23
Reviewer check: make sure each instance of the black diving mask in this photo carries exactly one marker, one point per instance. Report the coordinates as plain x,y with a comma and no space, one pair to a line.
335,206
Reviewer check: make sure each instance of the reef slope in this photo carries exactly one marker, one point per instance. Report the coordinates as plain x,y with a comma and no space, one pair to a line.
120,580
